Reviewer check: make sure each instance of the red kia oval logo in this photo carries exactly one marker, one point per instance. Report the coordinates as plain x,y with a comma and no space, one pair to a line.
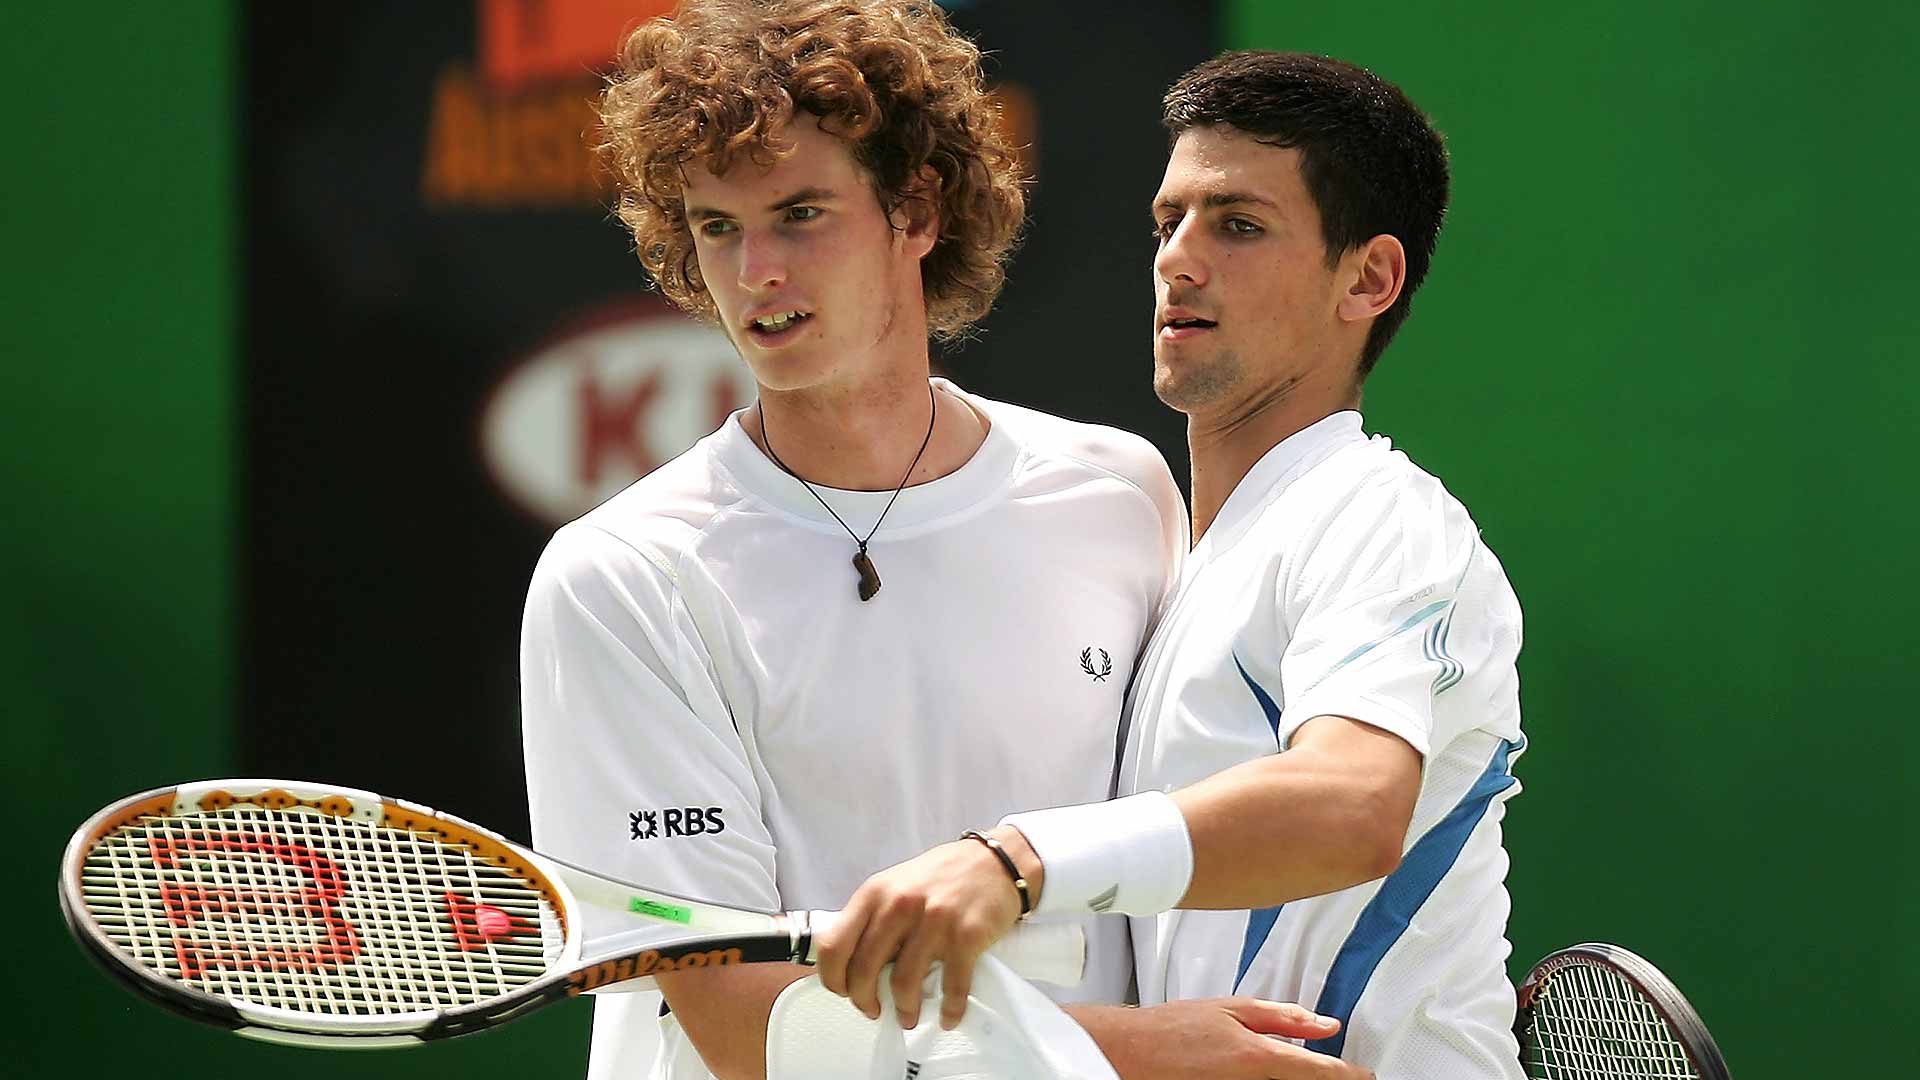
604,404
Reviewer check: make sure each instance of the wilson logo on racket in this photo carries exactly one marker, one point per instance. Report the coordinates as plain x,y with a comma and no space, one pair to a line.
680,821
204,913
644,964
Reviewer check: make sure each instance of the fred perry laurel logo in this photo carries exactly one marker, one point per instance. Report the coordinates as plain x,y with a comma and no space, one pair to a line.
1104,902
1086,664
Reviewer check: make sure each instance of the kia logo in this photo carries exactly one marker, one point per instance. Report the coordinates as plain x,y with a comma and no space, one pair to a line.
599,407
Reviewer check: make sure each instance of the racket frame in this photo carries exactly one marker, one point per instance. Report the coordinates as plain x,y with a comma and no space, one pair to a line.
1675,1011
759,936
716,933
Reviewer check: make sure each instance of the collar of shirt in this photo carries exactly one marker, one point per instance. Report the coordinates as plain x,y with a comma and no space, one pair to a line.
982,476
1288,460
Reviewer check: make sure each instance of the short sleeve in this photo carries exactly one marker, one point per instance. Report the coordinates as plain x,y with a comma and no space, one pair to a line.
1142,467
1392,603
634,767
1176,535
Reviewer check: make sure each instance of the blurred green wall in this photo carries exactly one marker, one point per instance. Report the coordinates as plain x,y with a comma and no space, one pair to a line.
1663,356
115,431
118,431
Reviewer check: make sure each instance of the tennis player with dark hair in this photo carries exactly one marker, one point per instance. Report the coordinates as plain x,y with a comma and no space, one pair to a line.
872,609
1323,728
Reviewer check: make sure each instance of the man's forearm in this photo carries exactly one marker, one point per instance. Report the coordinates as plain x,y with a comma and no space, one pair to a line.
1218,1038
1117,1031
1326,815
1329,813
724,1012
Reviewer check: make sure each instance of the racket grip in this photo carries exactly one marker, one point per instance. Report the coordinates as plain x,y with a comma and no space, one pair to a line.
1048,952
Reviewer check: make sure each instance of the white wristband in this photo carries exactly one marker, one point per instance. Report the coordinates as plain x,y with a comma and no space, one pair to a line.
1130,856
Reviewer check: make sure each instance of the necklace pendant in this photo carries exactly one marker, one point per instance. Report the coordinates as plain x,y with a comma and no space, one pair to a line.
869,577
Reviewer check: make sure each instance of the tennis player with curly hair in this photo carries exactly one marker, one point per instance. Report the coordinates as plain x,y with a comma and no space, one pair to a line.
872,609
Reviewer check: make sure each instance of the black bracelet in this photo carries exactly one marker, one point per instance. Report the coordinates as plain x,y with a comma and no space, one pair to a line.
1006,860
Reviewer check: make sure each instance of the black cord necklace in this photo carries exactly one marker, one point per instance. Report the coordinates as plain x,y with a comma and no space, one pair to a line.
869,577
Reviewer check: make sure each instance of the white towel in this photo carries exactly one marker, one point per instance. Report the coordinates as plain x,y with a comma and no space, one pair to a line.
1011,1032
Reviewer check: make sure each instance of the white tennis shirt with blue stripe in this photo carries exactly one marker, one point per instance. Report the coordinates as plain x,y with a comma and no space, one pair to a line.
1341,579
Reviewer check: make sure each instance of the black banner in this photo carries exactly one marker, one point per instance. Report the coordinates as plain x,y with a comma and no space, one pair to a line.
450,348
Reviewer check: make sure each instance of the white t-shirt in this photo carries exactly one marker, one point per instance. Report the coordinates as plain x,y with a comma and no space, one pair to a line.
710,708
1341,579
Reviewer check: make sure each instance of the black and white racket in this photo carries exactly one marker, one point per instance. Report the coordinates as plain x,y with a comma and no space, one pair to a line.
1598,1012
314,915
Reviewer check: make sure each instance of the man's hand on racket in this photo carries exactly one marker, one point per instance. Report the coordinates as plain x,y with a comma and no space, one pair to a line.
945,906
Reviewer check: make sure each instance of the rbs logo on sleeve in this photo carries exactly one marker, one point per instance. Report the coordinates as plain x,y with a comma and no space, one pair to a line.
679,821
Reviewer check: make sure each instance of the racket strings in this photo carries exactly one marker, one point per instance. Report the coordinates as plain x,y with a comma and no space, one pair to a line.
1590,1023
304,911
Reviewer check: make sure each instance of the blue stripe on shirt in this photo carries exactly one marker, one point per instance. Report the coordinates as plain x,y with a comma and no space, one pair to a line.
1260,921
1387,915
1435,649
1266,702
1259,925
1413,620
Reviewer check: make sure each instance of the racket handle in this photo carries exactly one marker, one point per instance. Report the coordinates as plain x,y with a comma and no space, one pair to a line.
1048,952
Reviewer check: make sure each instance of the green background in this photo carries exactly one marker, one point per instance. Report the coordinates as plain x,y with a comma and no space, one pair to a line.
1664,357
118,429
1661,357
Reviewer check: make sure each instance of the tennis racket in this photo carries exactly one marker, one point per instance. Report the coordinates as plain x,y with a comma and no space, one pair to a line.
313,915
1598,1011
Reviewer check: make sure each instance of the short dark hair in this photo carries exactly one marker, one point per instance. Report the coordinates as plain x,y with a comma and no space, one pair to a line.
1370,158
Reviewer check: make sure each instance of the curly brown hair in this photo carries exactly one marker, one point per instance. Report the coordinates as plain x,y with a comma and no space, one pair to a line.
723,77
